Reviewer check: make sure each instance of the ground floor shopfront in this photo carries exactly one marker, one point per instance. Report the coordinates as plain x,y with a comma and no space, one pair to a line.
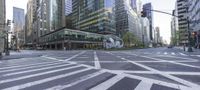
74,39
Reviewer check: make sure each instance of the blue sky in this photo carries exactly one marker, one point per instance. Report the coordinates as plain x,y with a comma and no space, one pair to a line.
160,20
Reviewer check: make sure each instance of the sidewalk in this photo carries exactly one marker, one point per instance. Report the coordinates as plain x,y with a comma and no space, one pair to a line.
18,55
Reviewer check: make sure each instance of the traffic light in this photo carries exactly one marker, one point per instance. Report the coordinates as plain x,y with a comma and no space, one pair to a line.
8,22
194,33
143,14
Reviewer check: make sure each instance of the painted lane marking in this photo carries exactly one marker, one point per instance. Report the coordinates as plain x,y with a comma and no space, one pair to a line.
139,77
29,65
158,52
107,84
96,61
182,54
173,53
144,86
38,74
23,68
75,56
33,70
173,62
165,53
45,80
82,79
193,85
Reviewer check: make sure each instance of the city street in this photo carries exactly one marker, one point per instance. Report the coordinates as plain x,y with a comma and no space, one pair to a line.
140,69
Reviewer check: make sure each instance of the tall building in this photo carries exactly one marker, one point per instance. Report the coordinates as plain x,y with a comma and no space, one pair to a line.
195,20
68,7
146,32
97,16
29,32
18,26
157,35
147,8
174,28
182,22
2,23
127,19
47,17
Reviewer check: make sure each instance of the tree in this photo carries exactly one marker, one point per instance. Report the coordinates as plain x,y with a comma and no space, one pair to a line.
130,40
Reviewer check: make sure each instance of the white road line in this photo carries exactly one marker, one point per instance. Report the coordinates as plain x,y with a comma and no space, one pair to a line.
165,53
107,84
45,80
166,61
84,78
158,53
28,65
52,58
96,61
133,72
144,86
23,68
75,56
183,73
142,78
182,54
38,74
181,58
173,53
193,85
174,62
33,70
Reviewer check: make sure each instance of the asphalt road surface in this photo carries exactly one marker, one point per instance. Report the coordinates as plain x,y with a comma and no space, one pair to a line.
142,69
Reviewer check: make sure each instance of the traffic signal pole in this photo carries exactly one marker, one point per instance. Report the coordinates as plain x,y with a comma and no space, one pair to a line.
143,14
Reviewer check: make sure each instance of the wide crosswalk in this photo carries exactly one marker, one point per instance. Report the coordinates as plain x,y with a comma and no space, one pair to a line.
169,53
40,74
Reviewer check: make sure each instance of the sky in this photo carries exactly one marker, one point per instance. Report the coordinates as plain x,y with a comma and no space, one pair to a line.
160,20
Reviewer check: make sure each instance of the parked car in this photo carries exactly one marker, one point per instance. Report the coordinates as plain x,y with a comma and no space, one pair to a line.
169,46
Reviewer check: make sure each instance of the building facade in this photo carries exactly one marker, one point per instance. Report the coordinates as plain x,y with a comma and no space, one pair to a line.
2,24
68,7
29,32
182,22
18,27
127,18
146,32
174,28
97,16
195,21
147,8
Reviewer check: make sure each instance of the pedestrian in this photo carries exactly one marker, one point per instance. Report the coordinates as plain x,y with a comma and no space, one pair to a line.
184,47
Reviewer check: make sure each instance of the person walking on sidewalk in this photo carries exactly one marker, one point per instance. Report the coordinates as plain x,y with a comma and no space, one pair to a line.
184,47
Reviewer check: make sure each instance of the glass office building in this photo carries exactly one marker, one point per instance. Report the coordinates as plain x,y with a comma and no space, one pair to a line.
97,16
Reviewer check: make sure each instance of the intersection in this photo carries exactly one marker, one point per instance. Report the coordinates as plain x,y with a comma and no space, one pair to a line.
141,69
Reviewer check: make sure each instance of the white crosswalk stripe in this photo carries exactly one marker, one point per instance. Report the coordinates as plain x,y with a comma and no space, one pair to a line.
84,78
182,54
29,67
33,70
173,53
45,80
38,74
144,86
107,84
